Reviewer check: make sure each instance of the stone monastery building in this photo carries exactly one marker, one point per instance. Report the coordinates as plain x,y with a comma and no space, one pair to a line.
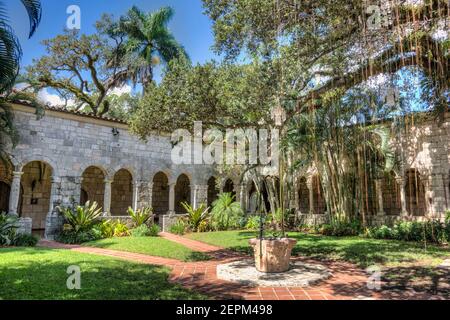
67,158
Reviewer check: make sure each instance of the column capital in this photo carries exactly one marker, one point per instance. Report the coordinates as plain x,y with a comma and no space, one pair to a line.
108,181
17,174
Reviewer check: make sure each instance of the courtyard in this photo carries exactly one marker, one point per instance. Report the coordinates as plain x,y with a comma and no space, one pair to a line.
225,150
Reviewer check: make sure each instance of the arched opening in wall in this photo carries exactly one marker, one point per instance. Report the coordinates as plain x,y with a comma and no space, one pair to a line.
228,187
319,204
182,193
5,185
252,199
212,191
160,195
303,196
415,193
93,184
391,194
36,184
121,193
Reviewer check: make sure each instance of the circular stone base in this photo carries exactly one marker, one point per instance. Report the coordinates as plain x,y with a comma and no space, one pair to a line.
300,274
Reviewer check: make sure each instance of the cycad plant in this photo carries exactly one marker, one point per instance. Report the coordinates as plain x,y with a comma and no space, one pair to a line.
195,217
140,216
226,212
83,218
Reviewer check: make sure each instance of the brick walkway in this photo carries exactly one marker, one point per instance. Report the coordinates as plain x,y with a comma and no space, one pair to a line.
348,282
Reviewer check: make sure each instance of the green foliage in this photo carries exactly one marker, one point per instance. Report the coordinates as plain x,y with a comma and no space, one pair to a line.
141,231
140,216
82,219
225,213
253,222
196,218
179,227
340,225
25,240
145,231
8,226
121,229
432,231
71,237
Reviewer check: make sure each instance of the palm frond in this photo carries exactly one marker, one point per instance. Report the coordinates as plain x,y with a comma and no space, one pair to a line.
10,54
34,10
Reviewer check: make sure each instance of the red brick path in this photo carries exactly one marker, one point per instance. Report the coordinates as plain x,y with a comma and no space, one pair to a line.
347,281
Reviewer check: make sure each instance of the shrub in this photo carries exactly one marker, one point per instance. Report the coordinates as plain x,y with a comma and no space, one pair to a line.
340,226
83,219
141,231
8,227
140,216
432,231
178,227
196,218
121,230
71,237
226,212
104,229
253,222
154,230
25,240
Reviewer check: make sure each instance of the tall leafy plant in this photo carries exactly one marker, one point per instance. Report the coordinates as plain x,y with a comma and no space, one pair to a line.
140,216
8,226
226,212
195,217
83,218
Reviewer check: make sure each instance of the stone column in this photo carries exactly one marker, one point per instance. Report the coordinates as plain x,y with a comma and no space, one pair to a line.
401,183
107,198
309,185
15,193
136,187
200,195
379,193
53,221
54,195
171,198
149,193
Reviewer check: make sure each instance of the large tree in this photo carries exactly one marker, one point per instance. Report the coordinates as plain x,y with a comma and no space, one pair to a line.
345,43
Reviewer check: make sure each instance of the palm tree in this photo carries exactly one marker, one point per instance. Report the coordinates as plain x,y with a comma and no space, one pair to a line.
10,55
149,41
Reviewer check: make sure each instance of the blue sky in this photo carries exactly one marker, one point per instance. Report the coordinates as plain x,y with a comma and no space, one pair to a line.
189,25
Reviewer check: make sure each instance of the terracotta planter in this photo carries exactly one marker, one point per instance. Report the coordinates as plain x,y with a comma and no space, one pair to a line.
275,256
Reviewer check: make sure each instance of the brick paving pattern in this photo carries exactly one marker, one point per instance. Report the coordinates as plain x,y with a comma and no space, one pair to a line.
347,282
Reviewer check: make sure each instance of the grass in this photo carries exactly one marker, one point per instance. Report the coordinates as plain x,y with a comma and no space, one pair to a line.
38,273
153,246
361,251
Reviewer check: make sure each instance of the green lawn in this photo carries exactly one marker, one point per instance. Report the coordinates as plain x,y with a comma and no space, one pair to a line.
361,251
38,273
154,246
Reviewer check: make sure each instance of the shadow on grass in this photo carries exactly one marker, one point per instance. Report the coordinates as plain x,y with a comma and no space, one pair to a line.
43,275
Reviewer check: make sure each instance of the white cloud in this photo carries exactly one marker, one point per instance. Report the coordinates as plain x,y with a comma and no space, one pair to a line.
118,91
52,99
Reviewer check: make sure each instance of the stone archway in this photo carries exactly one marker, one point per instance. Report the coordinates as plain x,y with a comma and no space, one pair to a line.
303,196
415,193
212,191
391,194
182,193
160,194
36,186
93,184
121,193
